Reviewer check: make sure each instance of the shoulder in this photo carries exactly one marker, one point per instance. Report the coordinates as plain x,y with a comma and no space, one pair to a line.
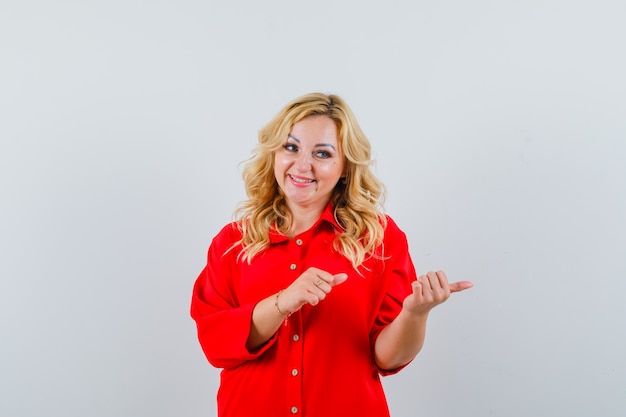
228,235
393,233
391,227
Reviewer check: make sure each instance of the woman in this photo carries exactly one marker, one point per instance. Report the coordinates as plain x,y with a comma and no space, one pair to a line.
311,294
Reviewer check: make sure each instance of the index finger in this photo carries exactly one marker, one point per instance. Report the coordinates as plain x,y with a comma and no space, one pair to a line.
443,279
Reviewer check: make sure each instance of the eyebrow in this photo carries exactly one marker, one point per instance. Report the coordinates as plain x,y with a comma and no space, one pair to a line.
317,145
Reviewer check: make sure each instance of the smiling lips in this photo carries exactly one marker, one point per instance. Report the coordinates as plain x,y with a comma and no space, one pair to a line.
300,181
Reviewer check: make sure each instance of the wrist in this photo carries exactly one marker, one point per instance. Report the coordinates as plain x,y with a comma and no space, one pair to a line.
411,315
283,313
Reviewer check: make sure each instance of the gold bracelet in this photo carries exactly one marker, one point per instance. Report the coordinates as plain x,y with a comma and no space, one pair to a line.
276,305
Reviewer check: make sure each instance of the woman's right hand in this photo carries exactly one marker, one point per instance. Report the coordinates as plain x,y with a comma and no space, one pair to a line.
309,288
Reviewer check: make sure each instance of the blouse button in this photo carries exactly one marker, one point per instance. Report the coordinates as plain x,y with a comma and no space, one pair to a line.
295,338
292,267
294,372
294,410
299,242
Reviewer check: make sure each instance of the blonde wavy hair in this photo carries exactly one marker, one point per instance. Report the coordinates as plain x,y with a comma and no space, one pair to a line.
357,200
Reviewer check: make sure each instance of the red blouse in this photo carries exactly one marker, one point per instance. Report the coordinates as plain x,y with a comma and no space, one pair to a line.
320,362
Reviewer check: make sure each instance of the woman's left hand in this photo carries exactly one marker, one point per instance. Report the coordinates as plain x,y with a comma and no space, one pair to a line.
431,290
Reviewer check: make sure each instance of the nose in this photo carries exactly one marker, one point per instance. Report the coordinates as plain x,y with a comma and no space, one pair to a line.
304,162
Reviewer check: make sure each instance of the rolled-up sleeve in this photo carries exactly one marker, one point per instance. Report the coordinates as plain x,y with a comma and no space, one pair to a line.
399,273
223,324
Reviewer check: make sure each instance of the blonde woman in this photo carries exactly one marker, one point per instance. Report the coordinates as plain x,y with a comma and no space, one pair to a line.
311,295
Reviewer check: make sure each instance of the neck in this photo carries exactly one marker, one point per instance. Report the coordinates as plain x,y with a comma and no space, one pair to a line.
304,218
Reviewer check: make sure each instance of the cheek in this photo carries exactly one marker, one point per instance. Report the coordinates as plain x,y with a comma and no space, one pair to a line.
338,166
332,170
280,164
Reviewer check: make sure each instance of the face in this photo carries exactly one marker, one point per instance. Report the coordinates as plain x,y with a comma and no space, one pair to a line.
310,163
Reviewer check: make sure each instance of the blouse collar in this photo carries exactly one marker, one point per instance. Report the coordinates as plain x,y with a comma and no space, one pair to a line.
327,217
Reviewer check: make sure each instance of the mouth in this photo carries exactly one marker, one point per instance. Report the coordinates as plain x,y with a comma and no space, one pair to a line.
300,180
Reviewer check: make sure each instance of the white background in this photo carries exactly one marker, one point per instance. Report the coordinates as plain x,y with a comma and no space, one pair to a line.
498,127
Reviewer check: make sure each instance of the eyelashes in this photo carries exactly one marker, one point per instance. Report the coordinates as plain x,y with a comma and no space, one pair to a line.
320,153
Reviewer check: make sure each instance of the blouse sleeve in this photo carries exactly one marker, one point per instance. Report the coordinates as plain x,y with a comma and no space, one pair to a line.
223,324
399,273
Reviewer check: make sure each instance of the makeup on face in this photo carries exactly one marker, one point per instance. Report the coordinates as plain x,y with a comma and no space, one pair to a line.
310,162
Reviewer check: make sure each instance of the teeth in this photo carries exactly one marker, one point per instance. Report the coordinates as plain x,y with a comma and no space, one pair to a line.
301,180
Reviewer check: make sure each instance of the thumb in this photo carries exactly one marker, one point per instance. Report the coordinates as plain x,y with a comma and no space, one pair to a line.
339,278
460,286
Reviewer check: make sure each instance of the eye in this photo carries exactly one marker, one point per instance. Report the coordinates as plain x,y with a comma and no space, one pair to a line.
290,147
323,154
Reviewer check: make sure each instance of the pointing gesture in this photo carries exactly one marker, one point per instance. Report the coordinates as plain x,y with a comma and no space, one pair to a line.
403,338
431,290
310,288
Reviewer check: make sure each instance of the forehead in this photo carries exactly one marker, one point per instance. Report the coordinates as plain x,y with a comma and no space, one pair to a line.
315,129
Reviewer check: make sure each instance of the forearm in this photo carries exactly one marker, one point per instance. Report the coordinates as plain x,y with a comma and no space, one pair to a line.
265,322
400,341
